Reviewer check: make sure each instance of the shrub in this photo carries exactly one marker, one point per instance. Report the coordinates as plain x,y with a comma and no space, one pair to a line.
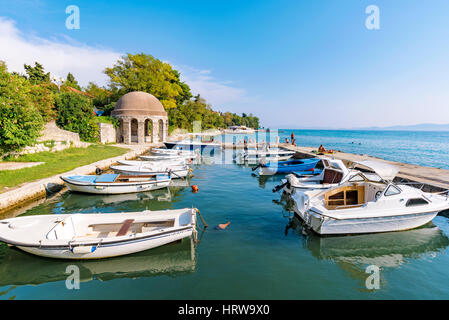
75,113
42,97
20,121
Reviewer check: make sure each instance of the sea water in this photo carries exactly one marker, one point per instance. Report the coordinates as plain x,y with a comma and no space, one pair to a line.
265,253
425,148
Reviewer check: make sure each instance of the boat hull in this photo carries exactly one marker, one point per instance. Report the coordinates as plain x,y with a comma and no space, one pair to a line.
329,226
173,173
203,149
287,167
111,250
117,188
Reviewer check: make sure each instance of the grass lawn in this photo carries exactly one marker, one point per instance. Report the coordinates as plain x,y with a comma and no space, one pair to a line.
56,162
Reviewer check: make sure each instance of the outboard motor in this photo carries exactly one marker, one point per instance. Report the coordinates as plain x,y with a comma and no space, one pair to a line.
280,187
302,202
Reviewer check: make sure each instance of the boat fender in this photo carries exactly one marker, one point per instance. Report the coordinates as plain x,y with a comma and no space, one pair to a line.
83,249
195,188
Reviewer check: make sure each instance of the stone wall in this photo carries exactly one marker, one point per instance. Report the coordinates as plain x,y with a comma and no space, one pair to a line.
52,132
53,139
107,133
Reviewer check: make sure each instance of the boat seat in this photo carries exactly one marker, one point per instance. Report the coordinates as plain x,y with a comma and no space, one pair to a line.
332,176
125,227
103,234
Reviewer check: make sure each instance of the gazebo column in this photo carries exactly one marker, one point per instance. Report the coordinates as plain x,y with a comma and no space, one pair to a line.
166,130
155,131
126,131
141,131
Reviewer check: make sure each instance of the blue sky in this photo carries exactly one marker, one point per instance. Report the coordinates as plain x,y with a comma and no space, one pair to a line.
295,64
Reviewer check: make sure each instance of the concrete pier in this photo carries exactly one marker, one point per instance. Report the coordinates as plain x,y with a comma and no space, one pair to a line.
434,179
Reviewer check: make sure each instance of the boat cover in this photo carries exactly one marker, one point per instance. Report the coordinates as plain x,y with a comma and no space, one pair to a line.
107,177
83,178
384,170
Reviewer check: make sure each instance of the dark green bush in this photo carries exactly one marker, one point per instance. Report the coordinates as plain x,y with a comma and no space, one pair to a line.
75,113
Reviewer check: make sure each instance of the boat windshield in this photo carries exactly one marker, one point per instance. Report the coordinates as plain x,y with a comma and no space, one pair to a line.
366,176
391,190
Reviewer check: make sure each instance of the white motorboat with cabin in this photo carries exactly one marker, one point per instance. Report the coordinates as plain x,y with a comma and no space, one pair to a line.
368,204
116,183
94,236
334,173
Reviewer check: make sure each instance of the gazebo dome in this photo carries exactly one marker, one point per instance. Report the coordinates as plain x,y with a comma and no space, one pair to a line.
138,103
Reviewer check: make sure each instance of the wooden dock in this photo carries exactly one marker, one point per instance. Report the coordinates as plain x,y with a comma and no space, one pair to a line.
433,179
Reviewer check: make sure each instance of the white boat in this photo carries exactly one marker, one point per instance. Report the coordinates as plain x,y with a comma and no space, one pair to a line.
152,164
334,173
239,130
174,152
364,204
173,171
193,145
116,183
255,155
166,158
94,236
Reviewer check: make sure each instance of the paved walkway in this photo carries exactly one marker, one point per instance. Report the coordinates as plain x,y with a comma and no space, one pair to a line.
17,165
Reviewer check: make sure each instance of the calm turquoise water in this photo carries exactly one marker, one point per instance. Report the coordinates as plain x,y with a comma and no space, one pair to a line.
427,148
263,254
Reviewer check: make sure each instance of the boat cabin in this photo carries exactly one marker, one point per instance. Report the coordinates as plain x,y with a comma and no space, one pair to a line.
359,190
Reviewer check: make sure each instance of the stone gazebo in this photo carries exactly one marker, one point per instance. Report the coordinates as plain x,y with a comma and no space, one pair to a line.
142,118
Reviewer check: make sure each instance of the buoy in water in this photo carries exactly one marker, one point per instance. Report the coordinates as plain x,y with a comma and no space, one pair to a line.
195,188
223,226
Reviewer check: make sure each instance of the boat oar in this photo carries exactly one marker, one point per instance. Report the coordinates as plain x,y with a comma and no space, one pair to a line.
202,220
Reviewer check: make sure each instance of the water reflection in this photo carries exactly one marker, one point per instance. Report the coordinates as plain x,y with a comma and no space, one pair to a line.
388,250
20,268
71,202
266,178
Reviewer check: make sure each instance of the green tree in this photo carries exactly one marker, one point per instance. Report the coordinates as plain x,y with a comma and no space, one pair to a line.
142,72
71,81
36,74
75,113
185,94
20,121
43,99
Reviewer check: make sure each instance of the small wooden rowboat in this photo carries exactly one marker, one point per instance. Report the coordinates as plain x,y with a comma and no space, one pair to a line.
116,183
173,152
172,171
151,164
271,168
94,236
165,158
